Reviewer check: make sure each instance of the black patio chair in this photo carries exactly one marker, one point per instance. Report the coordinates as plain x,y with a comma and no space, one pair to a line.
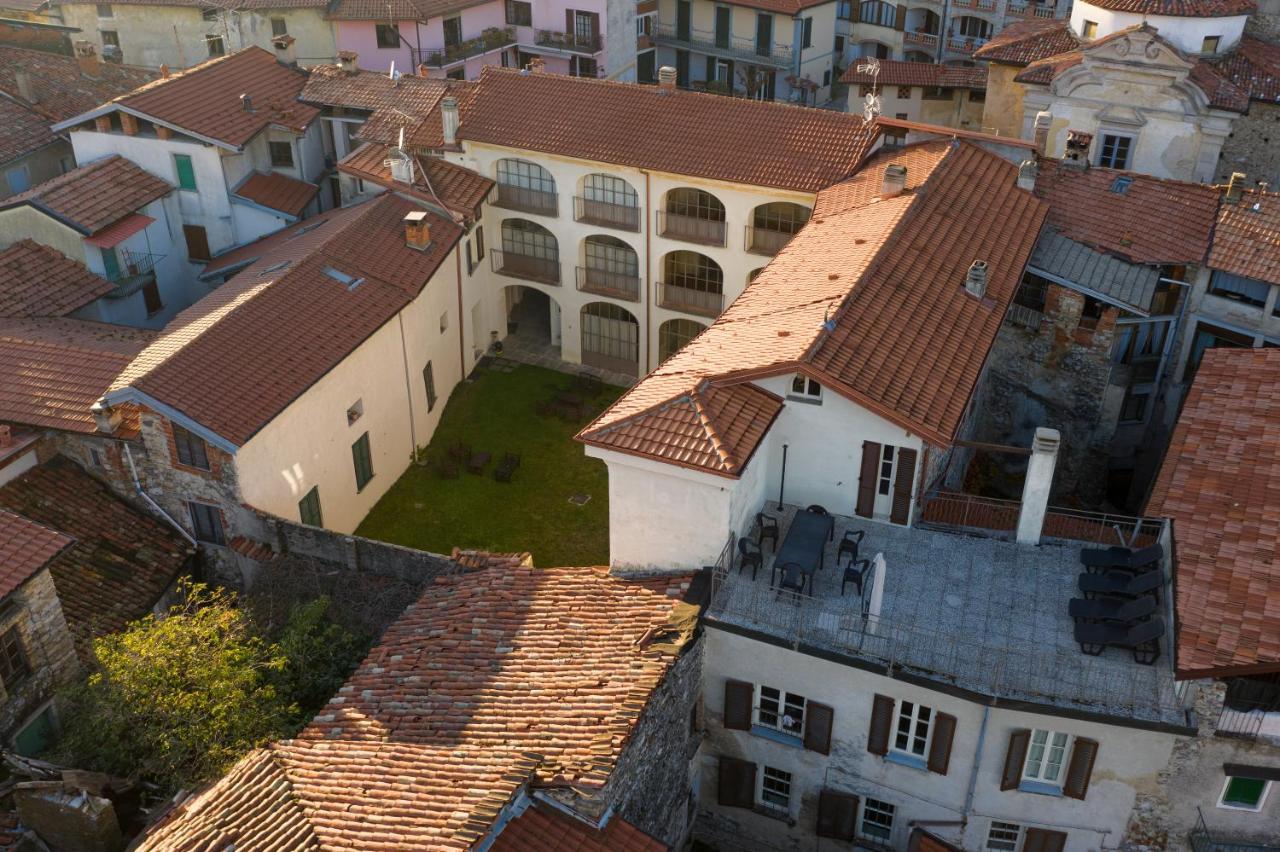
767,527
1143,638
460,451
849,544
1120,610
1122,584
507,467
793,579
587,383
545,408
446,468
856,573
1122,558
817,510
749,554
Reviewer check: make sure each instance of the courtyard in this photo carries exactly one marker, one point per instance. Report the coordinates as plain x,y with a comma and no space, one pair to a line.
541,509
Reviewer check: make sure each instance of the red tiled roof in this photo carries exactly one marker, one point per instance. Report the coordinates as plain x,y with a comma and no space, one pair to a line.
37,281
25,130
121,561
238,357
896,72
1154,221
1045,71
205,99
52,370
61,90
1254,67
679,132
405,102
908,341
496,678
1180,8
230,5
1024,42
542,829
1247,239
278,192
1222,93
399,10
1220,483
95,195
460,189
25,548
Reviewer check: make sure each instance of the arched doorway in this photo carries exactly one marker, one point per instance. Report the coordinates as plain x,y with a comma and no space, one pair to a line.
610,338
533,319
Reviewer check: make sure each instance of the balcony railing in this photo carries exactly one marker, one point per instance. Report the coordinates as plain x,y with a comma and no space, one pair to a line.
571,42
493,38
975,5
1201,839
964,44
1025,317
603,282
924,39
527,200
606,214
999,518
136,268
701,302
723,44
766,240
677,226
528,266
1029,10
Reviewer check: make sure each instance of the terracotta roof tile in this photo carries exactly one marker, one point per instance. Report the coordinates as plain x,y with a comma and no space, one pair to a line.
688,133
1221,91
1155,220
460,189
122,560
1045,71
1180,8
542,829
25,548
1254,67
1024,42
52,370
1247,239
406,102
230,5
95,195
496,678
61,90
238,357
896,72
25,130
1220,483
400,10
37,281
278,192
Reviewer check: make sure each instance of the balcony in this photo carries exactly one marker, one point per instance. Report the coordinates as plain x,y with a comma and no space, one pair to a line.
136,269
723,44
691,229
602,282
644,42
494,38
1203,839
964,44
527,200
929,40
703,303
975,5
606,214
530,267
568,42
1029,10
766,241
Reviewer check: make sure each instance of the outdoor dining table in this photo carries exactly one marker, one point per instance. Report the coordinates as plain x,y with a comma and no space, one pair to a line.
805,543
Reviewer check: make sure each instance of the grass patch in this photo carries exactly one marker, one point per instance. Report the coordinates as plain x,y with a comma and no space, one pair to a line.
495,414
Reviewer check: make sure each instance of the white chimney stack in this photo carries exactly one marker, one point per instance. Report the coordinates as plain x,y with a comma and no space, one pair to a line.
1039,481
975,280
286,51
1041,138
449,119
667,78
105,417
347,61
1027,173
894,182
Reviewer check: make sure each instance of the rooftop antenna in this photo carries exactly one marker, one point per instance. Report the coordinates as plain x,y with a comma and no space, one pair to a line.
393,75
871,103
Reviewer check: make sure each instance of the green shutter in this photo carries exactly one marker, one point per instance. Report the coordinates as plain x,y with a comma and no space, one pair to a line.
186,172
110,263
309,508
363,462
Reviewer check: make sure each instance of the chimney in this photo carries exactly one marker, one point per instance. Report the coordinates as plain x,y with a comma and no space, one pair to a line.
286,53
537,65
975,280
894,182
6,436
1076,155
1035,490
87,59
1028,170
1235,188
401,167
22,78
347,61
164,71
449,119
417,231
105,417
667,78
246,103
1041,138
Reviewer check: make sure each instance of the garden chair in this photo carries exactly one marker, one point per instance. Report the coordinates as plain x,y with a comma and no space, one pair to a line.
749,554
1120,610
793,579
1143,638
817,510
856,573
1122,558
460,451
1122,584
507,467
849,544
767,527
447,468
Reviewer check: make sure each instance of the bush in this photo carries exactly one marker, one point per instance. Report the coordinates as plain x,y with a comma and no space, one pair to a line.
318,654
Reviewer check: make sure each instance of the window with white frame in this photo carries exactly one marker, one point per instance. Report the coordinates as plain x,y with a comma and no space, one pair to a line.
1003,836
803,386
914,725
888,454
1243,794
775,788
877,820
1115,151
1046,757
782,711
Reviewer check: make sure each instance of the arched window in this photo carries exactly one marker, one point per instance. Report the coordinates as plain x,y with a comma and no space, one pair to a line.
610,268
695,215
610,338
528,251
674,334
967,26
692,282
523,185
774,224
610,201
878,12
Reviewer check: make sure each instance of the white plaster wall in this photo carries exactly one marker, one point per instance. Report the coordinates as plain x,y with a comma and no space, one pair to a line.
25,222
1187,34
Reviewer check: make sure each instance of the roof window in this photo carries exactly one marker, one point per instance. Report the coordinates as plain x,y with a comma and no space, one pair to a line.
275,267
343,278
1121,184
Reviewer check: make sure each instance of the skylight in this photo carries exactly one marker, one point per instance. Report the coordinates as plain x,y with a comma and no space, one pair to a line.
1121,184
343,278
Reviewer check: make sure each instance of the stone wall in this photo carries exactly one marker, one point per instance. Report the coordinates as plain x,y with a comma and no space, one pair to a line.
289,538
1253,147
37,615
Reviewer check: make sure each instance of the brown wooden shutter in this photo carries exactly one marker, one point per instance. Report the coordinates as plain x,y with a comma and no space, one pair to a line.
881,725
1080,767
867,479
197,242
903,479
595,28
837,815
737,783
1014,759
944,729
1043,840
738,696
569,28
817,727
900,18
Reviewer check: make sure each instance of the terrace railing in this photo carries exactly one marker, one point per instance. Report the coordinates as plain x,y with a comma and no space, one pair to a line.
571,42
950,509
606,213
724,44
492,39
693,229
604,282
543,269
527,200
704,303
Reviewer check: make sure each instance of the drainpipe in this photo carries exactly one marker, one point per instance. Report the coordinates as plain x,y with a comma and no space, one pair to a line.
137,486
462,343
782,482
648,276
942,30
977,761
408,388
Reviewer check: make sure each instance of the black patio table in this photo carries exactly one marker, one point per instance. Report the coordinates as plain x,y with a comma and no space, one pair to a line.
805,543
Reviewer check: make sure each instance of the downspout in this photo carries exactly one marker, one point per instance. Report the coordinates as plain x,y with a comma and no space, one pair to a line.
942,30
648,276
408,389
977,761
462,344
137,486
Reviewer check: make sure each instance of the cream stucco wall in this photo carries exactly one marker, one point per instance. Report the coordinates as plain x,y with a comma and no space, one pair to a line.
25,222
960,110
1186,33
37,167
1002,113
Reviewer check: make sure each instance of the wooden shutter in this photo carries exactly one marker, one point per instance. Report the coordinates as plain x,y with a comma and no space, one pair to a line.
881,725
900,18
904,477
837,815
1043,840
738,696
1080,767
1014,759
151,297
197,242
867,479
737,783
594,17
569,28
817,727
944,729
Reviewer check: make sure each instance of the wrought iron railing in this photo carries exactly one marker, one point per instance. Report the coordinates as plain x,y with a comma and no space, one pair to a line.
493,38
532,267
1201,839
1025,317
135,269
975,5
603,282
689,300
527,200
950,509
694,229
725,44
964,44
606,213
766,240
572,42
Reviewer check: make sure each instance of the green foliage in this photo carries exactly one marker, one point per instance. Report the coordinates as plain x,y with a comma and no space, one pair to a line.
318,655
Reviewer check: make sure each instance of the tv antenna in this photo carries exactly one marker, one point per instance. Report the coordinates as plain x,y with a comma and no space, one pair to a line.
871,103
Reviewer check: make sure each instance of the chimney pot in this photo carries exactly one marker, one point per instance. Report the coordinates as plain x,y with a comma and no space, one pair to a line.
1044,120
975,280
449,119
1028,170
1235,188
667,78
417,230
537,65
894,182
347,61
105,417
87,58
1037,485
164,71
246,103
1076,155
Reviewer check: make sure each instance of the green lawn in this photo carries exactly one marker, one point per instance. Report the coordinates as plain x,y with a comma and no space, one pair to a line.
495,413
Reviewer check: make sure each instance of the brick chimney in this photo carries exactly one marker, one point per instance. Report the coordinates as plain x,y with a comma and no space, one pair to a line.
164,71
975,280
894,182
667,78
1028,171
286,52
347,61
1235,188
417,230
87,59
449,119
1041,138
1036,487
537,65
22,78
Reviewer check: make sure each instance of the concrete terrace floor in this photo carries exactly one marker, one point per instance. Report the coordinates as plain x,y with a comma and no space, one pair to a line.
978,613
